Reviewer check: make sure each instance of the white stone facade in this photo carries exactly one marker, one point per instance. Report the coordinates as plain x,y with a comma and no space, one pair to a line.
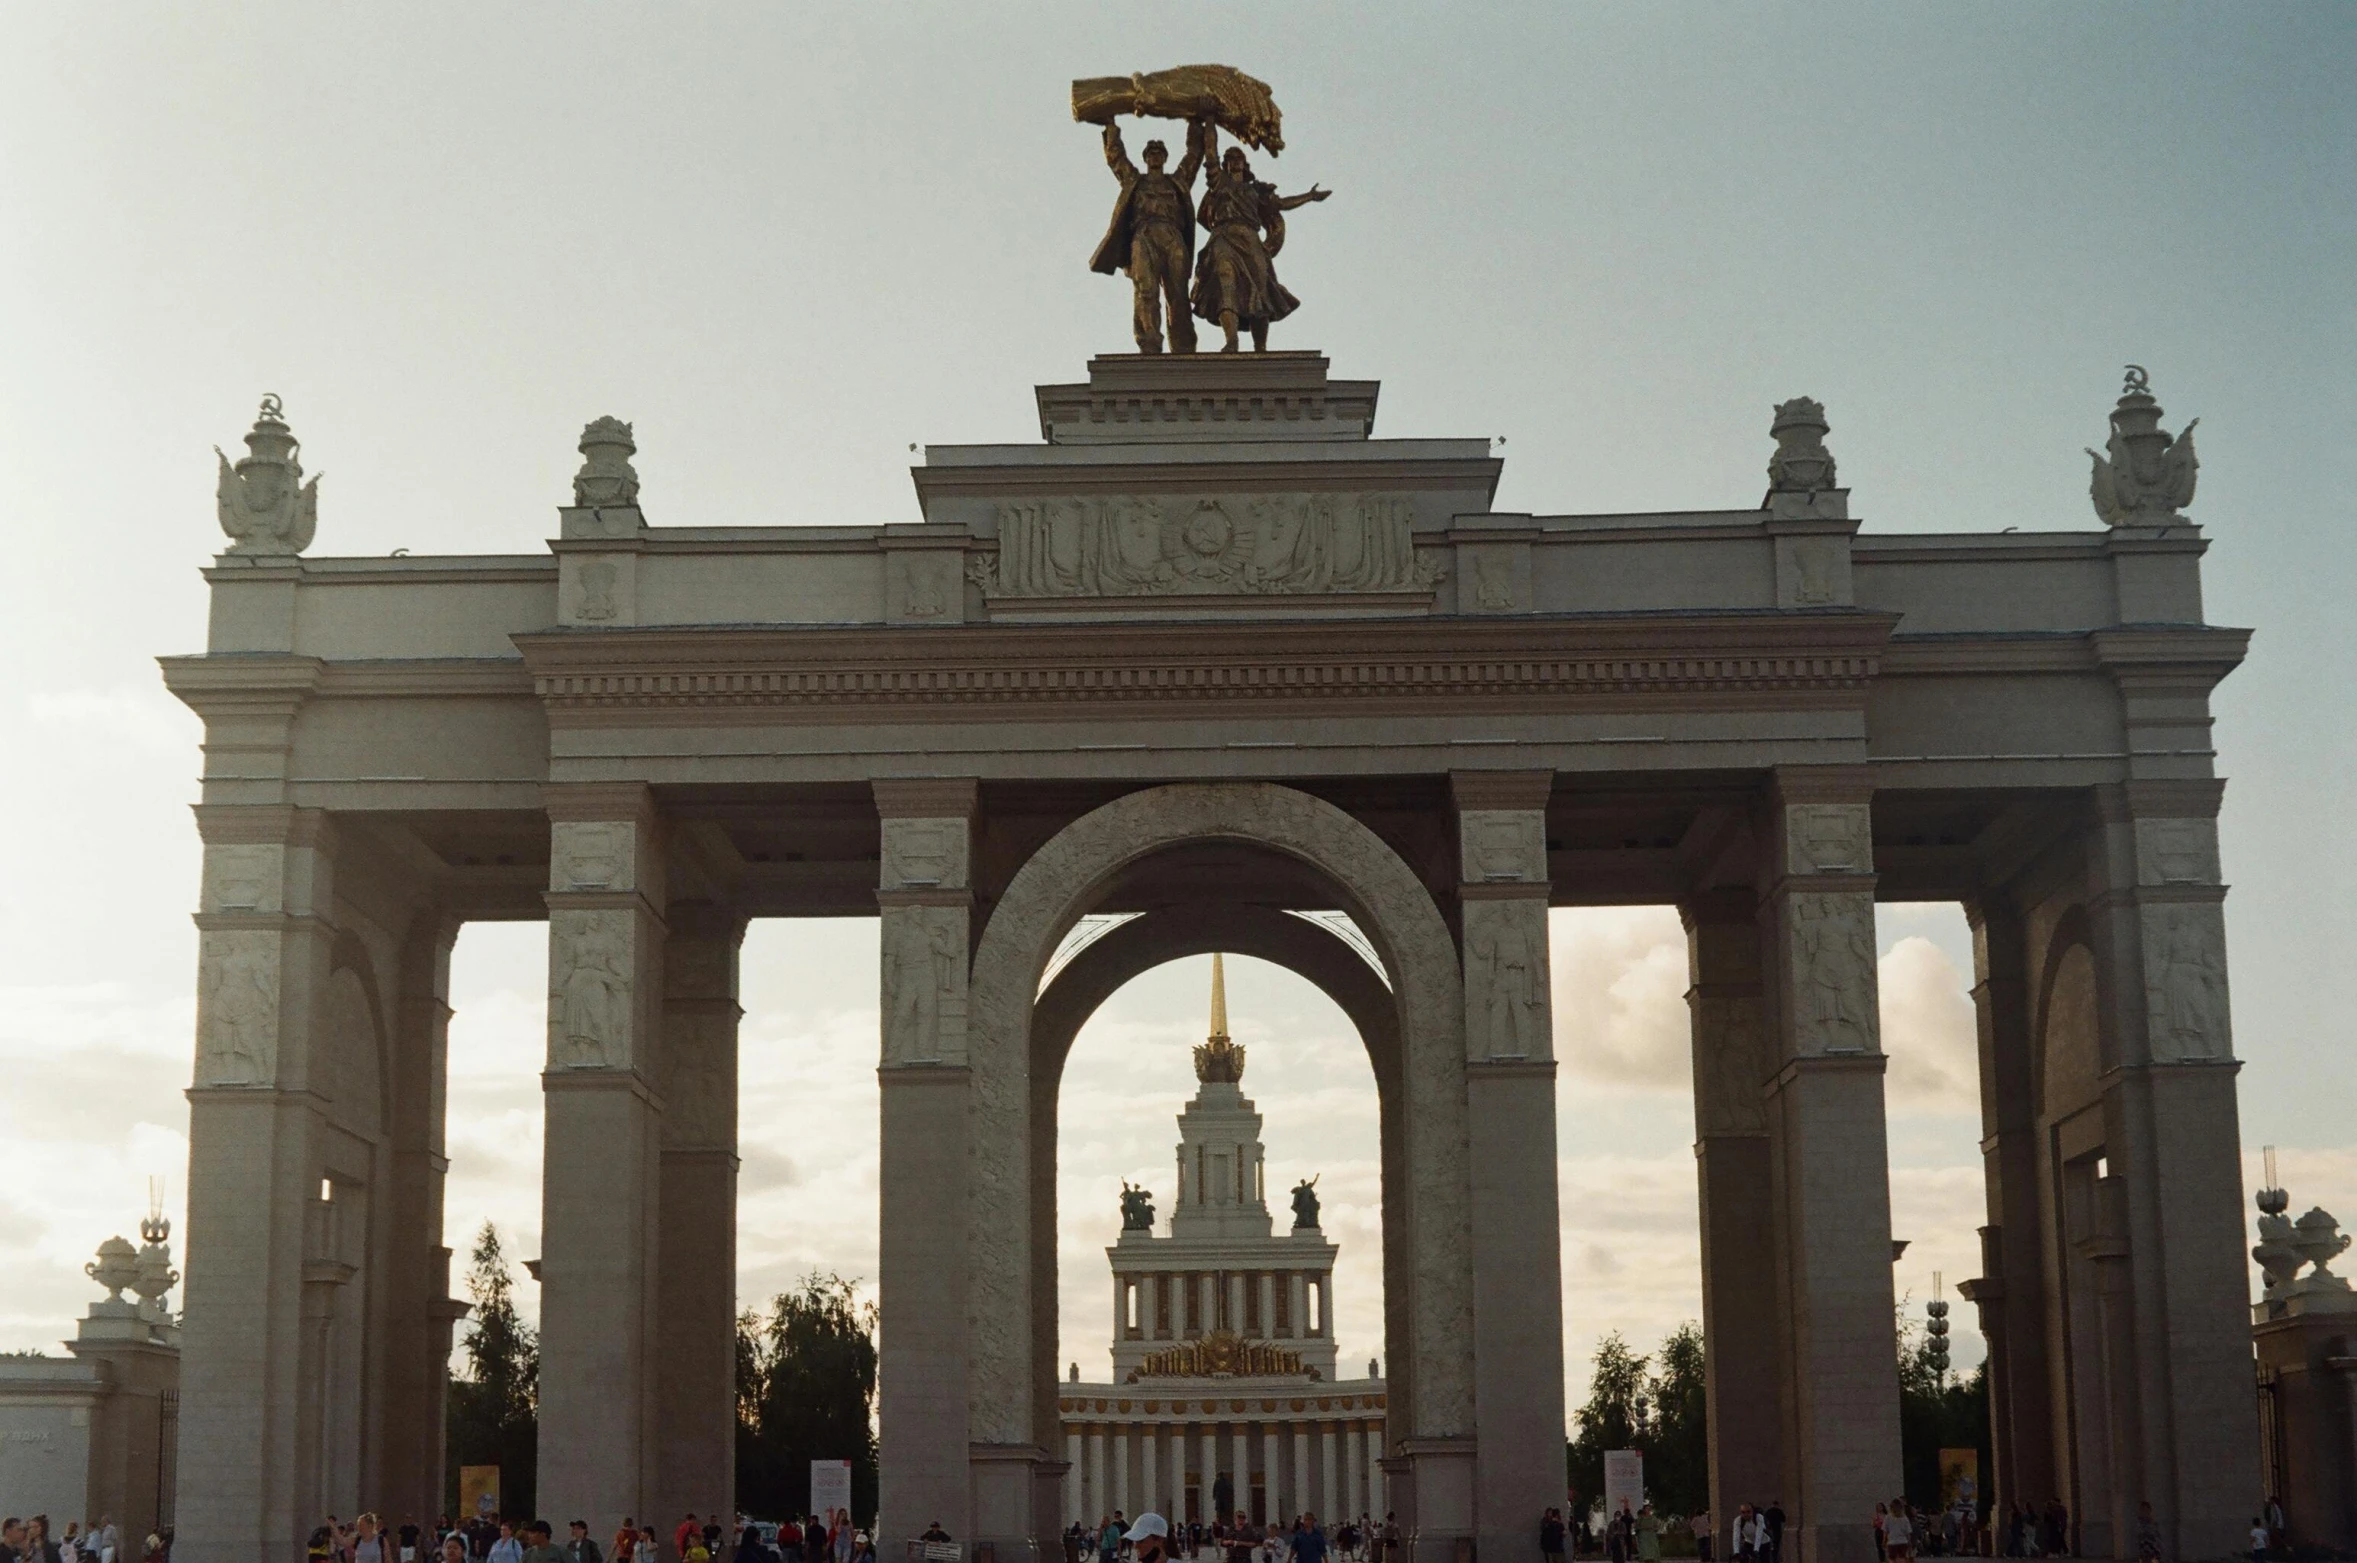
1212,653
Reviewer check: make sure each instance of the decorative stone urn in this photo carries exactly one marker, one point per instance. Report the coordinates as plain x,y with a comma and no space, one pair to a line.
116,1267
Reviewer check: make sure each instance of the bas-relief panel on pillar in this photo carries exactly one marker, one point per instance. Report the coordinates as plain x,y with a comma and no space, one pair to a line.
245,876
1503,845
1728,1057
237,1021
924,985
1506,979
2176,852
923,854
592,855
1833,972
591,989
1829,838
2185,982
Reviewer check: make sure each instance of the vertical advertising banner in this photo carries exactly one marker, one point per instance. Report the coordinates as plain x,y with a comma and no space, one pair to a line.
478,1491
1960,1477
1624,1478
830,1486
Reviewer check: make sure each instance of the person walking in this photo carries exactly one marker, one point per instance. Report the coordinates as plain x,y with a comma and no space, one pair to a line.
507,1549
1647,1526
1551,1536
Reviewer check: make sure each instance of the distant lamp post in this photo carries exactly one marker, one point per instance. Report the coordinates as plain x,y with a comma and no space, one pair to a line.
1935,1350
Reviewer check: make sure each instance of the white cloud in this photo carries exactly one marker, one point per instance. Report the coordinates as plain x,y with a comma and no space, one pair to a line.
136,716
1928,1029
1619,989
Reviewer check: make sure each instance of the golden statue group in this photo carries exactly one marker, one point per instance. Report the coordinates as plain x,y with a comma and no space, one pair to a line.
1152,235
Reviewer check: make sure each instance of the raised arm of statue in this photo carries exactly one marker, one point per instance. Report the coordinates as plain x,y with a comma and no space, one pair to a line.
1117,155
1198,137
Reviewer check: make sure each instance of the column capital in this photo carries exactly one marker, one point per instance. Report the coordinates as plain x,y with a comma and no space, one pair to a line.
1500,789
585,801
263,824
2160,798
927,797
1791,784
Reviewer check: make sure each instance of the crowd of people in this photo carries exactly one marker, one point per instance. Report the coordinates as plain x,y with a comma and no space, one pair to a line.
1902,1532
488,1538
101,1541
1116,1539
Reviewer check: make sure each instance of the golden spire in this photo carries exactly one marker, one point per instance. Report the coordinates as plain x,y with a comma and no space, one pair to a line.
1219,1059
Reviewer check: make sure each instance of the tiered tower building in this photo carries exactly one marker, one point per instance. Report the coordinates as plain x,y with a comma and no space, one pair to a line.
1225,1381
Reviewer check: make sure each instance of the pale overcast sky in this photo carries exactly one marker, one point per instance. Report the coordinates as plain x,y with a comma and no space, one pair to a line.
789,242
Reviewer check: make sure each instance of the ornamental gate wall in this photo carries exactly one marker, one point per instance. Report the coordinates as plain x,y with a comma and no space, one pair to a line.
1211,652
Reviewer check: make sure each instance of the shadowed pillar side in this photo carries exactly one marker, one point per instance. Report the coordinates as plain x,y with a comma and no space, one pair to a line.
1743,1330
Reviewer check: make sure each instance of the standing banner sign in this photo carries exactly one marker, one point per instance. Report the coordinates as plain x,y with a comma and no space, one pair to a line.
1960,1477
1624,1477
830,1486
478,1491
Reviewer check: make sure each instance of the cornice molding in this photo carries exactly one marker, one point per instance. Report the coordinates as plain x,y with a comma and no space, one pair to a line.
1336,667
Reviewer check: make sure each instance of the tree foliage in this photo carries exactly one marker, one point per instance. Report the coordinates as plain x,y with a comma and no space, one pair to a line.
806,1390
1658,1410
1936,1415
494,1410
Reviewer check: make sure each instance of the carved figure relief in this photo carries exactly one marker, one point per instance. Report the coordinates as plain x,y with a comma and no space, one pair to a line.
589,990
1502,845
2185,982
591,855
1493,582
243,878
2176,852
924,852
1507,969
263,503
1728,1069
1833,971
600,581
1813,560
237,1009
699,1082
924,983
1275,544
1829,838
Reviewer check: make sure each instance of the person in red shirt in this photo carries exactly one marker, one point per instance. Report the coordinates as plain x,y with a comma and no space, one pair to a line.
688,1531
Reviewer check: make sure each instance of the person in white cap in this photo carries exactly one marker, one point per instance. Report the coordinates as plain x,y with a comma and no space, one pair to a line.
1149,1535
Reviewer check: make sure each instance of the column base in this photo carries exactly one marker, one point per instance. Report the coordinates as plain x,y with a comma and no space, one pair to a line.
1437,1522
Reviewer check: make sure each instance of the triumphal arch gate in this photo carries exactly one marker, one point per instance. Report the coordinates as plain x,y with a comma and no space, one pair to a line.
1212,653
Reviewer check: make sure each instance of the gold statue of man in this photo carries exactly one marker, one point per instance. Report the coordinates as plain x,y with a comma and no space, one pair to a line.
1236,275
1152,235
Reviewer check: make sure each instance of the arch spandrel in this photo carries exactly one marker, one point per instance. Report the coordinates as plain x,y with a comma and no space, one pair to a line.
1059,885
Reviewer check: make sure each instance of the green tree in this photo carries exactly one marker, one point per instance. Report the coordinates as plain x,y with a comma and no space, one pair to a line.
1937,1412
1608,1420
494,1410
1677,1450
1657,1410
806,1390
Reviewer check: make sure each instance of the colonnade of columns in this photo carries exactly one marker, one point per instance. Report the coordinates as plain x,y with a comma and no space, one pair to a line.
1189,1304
1279,1466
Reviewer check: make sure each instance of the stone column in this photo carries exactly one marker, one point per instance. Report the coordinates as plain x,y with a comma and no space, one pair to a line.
1268,1305
2171,1127
2012,1282
1510,1081
696,1322
265,929
1305,1483
1742,1324
1236,1301
1121,1440
925,898
601,1172
419,1311
1351,1492
1830,1163
1272,1457
1375,1471
1206,1303
1075,1476
1093,1503
1297,1299
1329,1485
1178,1473
1149,1462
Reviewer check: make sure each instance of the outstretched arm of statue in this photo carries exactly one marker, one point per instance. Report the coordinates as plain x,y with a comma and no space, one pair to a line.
1117,155
1286,203
1198,135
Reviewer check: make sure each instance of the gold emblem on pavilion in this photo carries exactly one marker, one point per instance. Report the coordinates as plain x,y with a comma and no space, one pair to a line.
1222,1353
1217,1058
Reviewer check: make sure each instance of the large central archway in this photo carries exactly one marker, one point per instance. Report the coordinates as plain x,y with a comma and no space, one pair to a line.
1018,1037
